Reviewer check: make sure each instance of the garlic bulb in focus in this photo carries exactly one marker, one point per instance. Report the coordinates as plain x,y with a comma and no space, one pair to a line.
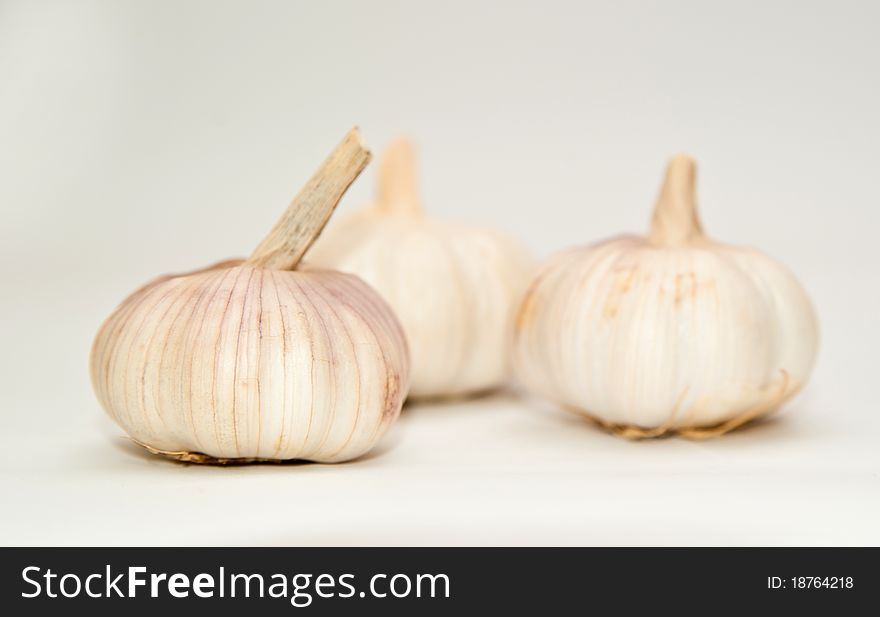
454,288
256,360
672,332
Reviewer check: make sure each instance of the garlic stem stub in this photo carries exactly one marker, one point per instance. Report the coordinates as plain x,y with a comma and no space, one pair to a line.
258,360
454,287
669,333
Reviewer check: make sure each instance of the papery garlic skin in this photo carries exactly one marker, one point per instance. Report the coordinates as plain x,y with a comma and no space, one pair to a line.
249,361
454,288
652,335
254,364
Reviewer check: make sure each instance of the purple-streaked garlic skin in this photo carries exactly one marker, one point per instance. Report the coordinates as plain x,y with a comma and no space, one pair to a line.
257,360
253,363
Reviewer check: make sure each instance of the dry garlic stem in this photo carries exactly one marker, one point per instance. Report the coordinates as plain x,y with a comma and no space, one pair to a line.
310,210
256,361
669,333
397,188
453,287
675,221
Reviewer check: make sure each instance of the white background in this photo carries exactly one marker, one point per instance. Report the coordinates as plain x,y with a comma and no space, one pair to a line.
138,138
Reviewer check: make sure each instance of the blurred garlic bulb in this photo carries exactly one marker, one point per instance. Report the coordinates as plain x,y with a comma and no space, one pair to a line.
256,360
673,332
454,288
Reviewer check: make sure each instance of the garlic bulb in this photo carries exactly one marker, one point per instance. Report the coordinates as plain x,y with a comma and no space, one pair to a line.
454,288
669,333
256,360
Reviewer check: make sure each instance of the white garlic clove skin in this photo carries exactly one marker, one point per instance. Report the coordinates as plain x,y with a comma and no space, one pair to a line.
670,333
454,288
244,363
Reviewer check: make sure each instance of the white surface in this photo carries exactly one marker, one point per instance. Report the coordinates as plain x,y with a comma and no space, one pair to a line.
140,138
